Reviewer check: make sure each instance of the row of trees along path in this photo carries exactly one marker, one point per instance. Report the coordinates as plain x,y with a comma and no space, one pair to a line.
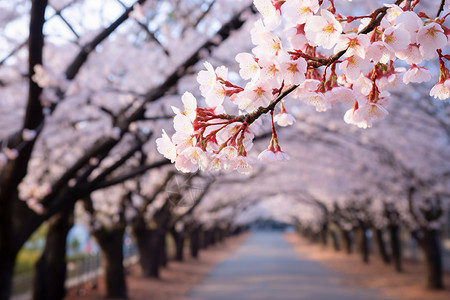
79,108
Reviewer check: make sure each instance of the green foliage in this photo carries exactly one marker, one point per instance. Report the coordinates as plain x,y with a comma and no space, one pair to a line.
30,253
25,260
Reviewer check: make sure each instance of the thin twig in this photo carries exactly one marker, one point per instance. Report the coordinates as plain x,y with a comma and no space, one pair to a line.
441,8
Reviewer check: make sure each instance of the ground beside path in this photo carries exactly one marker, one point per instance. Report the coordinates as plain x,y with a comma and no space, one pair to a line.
176,280
266,267
408,285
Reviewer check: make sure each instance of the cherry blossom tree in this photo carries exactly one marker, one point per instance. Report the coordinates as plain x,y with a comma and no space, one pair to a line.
69,107
96,93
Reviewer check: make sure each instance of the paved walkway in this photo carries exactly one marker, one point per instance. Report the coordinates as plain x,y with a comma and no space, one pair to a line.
266,267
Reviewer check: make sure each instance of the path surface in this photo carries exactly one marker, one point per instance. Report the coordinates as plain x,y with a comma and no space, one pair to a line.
266,267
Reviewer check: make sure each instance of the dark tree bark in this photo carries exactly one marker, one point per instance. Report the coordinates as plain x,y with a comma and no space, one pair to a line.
203,239
324,233
17,226
395,246
111,244
207,238
212,236
12,174
430,244
179,238
163,257
382,246
149,246
219,234
6,274
50,276
364,244
194,243
348,240
336,243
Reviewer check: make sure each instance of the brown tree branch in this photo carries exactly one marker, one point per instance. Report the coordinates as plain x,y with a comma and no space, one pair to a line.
82,56
441,8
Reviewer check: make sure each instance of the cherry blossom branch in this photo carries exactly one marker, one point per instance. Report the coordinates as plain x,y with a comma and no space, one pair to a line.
107,171
249,118
76,64
203,15
441,8
139,220
253,116
123,122
153,37
154,94
14,51
135,172
82,56
197,201
15,170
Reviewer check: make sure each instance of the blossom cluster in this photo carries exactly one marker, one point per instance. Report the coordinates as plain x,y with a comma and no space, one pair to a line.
309,51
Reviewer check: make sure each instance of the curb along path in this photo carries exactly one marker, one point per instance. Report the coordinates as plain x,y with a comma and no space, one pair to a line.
266,267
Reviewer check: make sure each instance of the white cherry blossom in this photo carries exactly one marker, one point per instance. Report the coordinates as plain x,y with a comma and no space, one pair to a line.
268,11
284,119
353,44
353,66
299,11
441,90
323,30
431,37
166,147
248,67
417,74
396,38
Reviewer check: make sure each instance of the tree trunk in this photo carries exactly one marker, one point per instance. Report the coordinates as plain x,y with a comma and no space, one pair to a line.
6,274
50,273
335,238
162,248
220,234
179,238
395,247
348,240
382,246
364,244
111,244
149,246
207,239
194,243
212,236
433,259
203,239
324,233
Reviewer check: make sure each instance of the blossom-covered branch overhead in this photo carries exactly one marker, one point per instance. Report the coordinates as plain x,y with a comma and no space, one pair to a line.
306,51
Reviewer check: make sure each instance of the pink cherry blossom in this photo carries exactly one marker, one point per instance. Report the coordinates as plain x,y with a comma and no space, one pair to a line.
254,96
190,105
431,37
268,11
284,119
353,44
249,68
396,38
411,54
441,90
299,11
210,85
417,74
323,30
293,72
316,99
353,66
270,156
166,147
